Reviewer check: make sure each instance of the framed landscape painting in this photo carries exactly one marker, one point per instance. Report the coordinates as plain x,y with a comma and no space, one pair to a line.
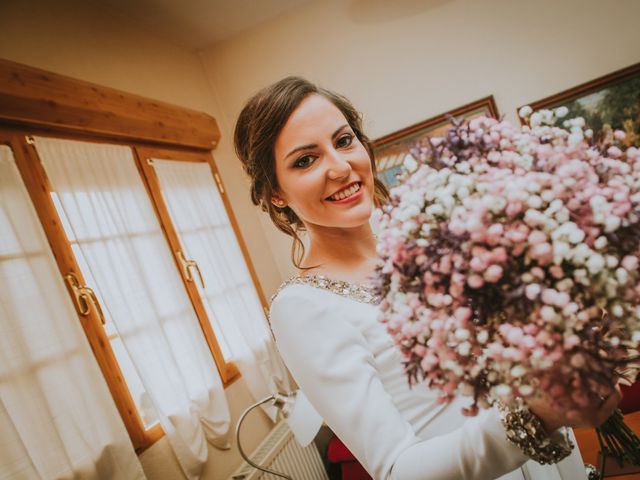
607,103
391,149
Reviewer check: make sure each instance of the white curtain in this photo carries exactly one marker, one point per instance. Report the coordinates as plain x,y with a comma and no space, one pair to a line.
114,226
57,417
230,298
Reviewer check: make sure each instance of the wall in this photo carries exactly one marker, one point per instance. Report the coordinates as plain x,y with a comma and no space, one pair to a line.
404,61
82,40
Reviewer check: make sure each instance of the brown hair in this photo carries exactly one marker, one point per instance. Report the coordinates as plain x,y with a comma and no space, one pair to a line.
257,129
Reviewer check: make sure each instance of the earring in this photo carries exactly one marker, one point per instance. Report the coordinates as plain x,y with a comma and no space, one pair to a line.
280,203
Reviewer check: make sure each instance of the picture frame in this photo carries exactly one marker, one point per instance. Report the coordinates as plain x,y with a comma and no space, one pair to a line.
390,150
610,102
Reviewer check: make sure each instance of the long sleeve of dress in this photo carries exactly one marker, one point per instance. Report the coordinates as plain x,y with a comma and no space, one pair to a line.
333,364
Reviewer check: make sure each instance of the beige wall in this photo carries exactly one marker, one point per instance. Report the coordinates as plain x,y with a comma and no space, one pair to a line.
404,61
79,39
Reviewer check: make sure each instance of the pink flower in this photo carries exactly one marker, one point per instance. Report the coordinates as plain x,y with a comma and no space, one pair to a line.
514,209
475,281
493,273
478,264
630,263
462,314
498,255
536,237
514,336
420,350
542,252
532,291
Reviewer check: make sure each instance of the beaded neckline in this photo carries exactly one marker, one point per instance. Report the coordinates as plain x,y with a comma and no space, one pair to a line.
353,291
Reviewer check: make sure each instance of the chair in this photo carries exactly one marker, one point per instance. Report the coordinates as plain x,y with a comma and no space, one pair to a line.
630,398
350,468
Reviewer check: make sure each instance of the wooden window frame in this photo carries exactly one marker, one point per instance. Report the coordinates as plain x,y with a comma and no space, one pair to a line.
36,102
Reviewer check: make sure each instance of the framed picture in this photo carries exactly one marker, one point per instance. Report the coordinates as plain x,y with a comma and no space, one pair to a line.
607,103
391,149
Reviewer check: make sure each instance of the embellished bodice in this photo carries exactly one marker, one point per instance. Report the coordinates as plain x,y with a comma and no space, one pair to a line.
357,292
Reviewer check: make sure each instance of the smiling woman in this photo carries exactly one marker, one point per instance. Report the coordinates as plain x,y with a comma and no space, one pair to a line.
300,145
312,168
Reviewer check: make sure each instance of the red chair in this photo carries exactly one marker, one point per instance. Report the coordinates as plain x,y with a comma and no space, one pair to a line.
350,468
630,398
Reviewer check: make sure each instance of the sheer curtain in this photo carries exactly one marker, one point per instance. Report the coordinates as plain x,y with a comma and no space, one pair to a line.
57,417
114,227
230,298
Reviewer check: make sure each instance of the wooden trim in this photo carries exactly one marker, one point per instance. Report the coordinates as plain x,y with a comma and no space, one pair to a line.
486,102
39,189
236,229
30,96
586,88
227,370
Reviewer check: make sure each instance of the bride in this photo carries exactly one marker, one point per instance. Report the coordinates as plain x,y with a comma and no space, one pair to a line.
312,168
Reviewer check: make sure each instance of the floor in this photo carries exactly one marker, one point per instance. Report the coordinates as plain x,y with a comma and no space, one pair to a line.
588,443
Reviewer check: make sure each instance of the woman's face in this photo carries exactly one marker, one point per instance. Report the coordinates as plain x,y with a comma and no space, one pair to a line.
323,171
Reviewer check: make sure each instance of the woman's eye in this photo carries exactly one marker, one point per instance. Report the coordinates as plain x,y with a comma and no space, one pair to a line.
344,141
303,162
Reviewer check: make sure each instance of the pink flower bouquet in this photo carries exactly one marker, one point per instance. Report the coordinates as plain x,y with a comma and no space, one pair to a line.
510,262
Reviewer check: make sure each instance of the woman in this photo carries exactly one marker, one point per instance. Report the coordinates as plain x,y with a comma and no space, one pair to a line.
312,168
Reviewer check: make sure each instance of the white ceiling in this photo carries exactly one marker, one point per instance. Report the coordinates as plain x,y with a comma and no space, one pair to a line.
198,24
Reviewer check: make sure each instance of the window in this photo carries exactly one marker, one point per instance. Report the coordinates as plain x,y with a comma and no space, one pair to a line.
150,240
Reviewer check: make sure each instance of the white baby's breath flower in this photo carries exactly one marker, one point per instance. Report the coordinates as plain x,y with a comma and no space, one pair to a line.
462,334
548,196
535,119
561,249
502,390
525,111
547,116
600,242
595,263
464,349
534,201
617,310
434,210
611,223
410,163
622,276
533,187
575,139
612,261
561,112
525,390
408,227
518,371
597,202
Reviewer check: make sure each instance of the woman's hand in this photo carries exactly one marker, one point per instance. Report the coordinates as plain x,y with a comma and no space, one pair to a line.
591,416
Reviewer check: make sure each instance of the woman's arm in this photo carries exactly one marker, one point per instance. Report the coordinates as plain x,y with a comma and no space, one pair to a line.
330,360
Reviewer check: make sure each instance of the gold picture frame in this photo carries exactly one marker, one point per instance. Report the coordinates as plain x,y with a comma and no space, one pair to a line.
390,150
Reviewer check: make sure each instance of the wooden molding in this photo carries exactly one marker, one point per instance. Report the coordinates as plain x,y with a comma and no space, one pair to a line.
36,97
487,102
585,88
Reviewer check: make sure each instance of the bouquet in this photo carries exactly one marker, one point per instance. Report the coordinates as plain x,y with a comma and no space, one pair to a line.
510,264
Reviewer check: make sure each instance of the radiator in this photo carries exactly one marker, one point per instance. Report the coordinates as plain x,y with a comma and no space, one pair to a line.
281,452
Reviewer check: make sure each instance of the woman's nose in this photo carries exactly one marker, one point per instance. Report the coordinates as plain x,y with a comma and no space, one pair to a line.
339,166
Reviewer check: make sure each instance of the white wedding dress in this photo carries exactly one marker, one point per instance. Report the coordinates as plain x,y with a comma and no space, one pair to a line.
345,362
